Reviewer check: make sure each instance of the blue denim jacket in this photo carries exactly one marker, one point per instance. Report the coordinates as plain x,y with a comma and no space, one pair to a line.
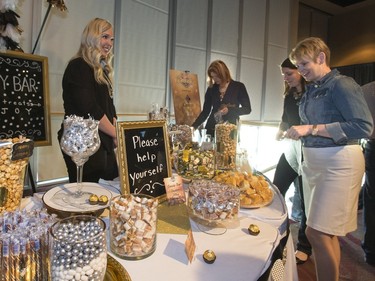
338,102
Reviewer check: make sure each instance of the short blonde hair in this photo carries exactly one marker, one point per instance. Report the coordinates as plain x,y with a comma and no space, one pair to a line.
310,48
220,69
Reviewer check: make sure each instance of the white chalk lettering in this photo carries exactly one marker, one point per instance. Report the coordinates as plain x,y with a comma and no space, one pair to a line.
148,173
139,143
4,80
21,84
147,157
22,103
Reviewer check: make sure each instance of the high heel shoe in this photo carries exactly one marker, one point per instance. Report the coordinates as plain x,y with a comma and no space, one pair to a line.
301,257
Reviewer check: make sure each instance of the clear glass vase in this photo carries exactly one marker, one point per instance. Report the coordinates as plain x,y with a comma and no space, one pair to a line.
197,160
133,222
78,248
226,146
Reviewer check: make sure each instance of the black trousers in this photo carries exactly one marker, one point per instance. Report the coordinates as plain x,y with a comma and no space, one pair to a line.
368,243
283,178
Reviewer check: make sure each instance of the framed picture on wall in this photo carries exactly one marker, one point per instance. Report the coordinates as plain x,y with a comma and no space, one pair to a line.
186,100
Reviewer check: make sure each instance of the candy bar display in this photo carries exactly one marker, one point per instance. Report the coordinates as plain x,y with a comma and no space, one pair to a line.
78,249
24,245
226,144
12,173
133,221
213,201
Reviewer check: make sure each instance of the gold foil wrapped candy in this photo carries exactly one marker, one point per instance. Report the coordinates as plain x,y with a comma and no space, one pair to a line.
196,162
253,229
93,199
209,256
103,200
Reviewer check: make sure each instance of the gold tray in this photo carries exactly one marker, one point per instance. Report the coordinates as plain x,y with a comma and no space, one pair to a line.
115,271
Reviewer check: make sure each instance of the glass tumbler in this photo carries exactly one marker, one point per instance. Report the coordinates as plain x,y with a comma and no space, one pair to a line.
78,249
133,221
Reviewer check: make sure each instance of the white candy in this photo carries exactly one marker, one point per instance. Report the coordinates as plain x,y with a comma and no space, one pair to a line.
86,268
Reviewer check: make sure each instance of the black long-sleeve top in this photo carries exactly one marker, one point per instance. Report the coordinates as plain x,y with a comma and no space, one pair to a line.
84,96
290,115
236,99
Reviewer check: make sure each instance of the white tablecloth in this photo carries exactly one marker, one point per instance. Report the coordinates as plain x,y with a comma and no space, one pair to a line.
240,256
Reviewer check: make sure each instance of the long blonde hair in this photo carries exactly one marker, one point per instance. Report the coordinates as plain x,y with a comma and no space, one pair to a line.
89,50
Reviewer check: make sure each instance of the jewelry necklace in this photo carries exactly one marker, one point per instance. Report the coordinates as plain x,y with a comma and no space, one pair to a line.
222,91
297,95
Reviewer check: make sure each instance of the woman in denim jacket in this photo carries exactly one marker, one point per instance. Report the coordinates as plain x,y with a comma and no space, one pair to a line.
334,117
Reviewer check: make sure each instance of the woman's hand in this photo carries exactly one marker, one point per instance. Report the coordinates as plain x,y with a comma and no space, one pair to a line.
280,135
224,110
295,132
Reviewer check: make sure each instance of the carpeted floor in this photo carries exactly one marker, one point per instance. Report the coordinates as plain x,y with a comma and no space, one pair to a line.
352,265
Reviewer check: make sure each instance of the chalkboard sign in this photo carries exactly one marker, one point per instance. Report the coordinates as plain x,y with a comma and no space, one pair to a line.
144,157
24,95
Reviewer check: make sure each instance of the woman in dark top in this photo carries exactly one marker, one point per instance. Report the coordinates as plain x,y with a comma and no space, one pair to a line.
224,96
288,168
88,92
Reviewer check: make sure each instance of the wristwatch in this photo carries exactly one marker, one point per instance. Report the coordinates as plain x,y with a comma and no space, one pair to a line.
315,130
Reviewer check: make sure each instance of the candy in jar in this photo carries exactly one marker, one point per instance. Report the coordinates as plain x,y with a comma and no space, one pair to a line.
226,145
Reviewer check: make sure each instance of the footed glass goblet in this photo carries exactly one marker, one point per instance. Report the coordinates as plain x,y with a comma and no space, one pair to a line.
80,140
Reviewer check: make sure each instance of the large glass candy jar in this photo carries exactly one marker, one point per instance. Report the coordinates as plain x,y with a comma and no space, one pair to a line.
226,146
133,222
197,160
213,202
78,249
14,156
80,140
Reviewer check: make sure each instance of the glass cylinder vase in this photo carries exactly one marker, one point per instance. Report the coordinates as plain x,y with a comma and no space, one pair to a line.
78,249
14,157
133,221
196,160
226,146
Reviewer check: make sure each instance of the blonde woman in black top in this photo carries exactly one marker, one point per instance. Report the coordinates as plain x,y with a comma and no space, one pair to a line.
88,91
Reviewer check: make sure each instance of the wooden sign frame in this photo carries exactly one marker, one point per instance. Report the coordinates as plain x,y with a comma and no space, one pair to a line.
144,157
24,88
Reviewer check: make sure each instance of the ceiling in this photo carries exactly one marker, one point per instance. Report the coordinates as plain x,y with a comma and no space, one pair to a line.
336,7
